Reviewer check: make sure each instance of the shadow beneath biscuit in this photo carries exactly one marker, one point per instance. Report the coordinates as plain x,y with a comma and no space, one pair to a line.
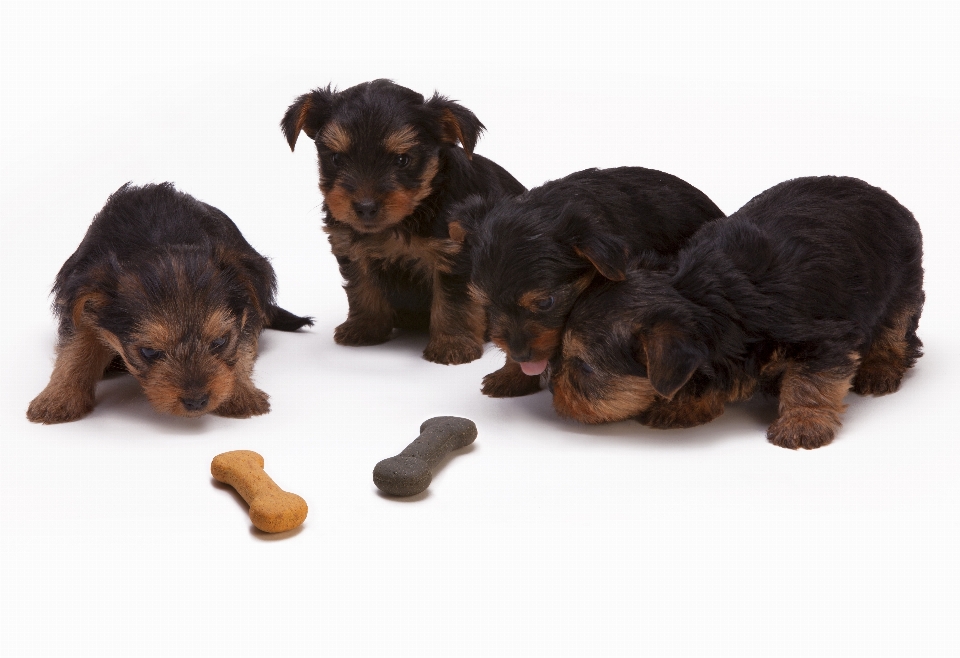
242,505
435,472
276,536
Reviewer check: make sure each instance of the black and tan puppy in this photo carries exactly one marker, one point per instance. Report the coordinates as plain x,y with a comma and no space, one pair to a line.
168,285
814,287
536,253
390,169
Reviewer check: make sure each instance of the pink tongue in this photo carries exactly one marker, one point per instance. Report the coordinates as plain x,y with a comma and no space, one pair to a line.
533,367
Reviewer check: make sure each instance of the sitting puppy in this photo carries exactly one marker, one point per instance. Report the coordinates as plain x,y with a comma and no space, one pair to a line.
534,254
390,169
812,288
166,285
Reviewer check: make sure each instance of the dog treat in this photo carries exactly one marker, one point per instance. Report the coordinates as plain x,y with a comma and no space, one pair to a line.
271,508
408,473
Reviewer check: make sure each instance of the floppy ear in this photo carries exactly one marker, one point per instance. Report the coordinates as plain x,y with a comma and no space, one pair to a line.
308,113
672,358
254,283
608,254
466,217
458,124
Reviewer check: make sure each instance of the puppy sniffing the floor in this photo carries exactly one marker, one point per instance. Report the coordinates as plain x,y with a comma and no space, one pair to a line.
534,254
814,287
390,169
166,284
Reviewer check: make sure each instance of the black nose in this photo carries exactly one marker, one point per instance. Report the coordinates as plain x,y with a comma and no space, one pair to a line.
196,403
366,209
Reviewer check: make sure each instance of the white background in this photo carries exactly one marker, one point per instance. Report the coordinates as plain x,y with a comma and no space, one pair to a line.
547,538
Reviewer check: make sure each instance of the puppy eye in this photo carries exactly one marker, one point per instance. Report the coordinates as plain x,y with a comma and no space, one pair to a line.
403,160
150,354
545,304
218,343
584,367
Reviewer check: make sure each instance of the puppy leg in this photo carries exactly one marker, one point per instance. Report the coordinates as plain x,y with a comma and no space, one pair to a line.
370,318
81,361
246,399
510,382
888,357
683,411
456,322
811,403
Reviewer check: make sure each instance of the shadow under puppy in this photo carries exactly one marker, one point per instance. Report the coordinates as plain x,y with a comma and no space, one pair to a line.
814,287
169,285
390,168
534,254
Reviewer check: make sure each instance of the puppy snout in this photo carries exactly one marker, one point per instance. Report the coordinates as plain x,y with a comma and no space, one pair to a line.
195,402
366,209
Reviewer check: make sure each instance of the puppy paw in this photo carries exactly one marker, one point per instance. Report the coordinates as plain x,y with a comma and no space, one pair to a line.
58,406
452,350
355,333
510,382
800,429
666,415
246,402
877,380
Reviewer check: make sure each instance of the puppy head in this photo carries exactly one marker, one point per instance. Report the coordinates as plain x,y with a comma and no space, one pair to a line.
533,257
185,324
625,345
378,146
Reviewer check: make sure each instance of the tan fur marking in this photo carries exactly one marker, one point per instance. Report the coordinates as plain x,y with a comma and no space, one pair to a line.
336,138
452,131
683,411
456,232
70,394
811,405
624,397
401,141
478,295
545,342
885,361
305,106
369,319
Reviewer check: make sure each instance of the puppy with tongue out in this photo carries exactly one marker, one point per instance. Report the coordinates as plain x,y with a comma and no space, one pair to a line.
535,253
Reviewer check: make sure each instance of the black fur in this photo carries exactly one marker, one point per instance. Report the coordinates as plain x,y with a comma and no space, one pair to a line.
145,231
814,274
555,237
395,261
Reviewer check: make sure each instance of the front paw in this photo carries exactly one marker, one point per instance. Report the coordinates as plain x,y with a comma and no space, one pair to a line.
800,429
356,333
246,401
510,382
667,415
452,350
59,406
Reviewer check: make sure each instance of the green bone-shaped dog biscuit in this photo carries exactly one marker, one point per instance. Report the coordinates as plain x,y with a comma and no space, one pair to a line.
409,473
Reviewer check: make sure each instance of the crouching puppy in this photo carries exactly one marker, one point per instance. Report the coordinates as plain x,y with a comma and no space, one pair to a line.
390,169
166,287
533,255
814,287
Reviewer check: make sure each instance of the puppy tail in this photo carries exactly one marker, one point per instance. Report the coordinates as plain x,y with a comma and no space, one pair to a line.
283,320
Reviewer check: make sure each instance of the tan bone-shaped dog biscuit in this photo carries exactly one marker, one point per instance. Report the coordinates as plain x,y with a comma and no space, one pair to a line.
271,508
